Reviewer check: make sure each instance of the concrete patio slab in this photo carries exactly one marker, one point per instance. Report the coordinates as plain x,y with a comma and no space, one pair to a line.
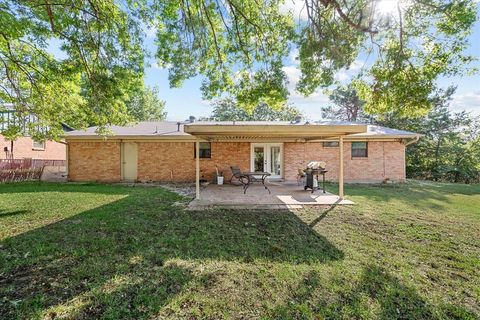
284,195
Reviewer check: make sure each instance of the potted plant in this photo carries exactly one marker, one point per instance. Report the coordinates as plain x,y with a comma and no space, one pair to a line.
219,176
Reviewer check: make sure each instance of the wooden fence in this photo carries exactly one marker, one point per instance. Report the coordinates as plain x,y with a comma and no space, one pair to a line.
14,170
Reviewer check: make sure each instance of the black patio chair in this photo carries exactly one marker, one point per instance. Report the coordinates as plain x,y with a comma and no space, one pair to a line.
238,175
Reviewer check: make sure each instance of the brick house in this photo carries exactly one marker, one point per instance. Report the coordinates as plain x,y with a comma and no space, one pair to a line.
165,151
25,147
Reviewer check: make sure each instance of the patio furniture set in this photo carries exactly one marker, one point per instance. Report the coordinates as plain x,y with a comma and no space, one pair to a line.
309,177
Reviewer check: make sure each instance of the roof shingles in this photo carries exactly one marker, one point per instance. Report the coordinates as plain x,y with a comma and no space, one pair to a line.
173,129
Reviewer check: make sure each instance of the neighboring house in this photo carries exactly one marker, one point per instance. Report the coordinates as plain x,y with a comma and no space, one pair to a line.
24,146
165,151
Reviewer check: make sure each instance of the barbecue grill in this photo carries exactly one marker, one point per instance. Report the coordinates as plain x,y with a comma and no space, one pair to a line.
313,170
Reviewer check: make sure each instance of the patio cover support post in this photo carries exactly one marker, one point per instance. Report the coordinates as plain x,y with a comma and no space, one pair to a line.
197,170
340,177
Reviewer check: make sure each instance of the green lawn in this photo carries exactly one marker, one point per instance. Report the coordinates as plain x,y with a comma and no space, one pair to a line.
407,251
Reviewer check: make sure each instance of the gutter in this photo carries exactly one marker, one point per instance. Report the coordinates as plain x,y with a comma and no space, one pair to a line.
414,140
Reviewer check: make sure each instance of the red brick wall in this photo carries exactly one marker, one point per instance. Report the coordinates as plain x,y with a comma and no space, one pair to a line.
385,160
94,161
23,148
167,161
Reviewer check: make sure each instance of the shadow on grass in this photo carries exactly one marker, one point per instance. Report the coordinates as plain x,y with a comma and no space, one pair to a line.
323,214
377,294
119,260
4,213
85,187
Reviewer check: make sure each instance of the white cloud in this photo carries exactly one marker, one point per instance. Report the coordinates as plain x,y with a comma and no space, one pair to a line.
345,75
207,103
356,65
342,76
150,30
155,65
293,74
311,105
293,56
317,98
469,101
296,7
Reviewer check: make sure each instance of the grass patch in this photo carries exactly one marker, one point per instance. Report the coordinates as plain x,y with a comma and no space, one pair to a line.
100,251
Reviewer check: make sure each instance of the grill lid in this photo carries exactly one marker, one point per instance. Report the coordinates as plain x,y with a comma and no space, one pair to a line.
316,165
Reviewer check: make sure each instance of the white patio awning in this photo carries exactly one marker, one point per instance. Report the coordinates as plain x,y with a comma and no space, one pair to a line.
272,131
281,131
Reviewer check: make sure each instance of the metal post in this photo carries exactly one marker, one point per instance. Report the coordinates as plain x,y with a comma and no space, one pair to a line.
197,170
340,177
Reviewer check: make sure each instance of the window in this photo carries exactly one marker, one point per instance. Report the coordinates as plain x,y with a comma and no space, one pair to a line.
330,144
359,149
38,145
205,150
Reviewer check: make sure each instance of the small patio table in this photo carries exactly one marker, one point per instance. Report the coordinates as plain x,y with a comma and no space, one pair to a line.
253,177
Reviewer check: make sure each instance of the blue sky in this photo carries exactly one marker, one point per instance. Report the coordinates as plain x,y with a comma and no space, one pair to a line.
187,100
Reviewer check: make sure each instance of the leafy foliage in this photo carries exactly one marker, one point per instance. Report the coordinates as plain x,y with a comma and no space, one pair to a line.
347,106
145,105
103,63
412,44
228,110
239,47
236,45
449,149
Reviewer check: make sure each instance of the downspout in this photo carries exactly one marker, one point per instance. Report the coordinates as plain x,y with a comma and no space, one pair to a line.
384,169
122,157
66,159
340,174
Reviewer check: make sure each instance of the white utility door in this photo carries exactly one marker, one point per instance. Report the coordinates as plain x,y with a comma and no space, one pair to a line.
129,161
267,157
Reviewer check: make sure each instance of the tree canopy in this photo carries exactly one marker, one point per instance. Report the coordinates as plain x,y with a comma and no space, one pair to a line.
239,47
346,105
103,61
449,149
145,105
228,110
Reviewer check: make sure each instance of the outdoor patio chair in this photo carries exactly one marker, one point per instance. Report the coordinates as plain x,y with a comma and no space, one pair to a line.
300,176
238,175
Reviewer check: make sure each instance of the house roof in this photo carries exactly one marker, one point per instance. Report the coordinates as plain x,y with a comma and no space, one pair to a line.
243,130
374,131
144,128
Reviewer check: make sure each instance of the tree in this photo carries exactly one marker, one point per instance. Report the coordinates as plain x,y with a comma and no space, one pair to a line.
145,105
101,40
449,147
239,47
347,106
228,110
